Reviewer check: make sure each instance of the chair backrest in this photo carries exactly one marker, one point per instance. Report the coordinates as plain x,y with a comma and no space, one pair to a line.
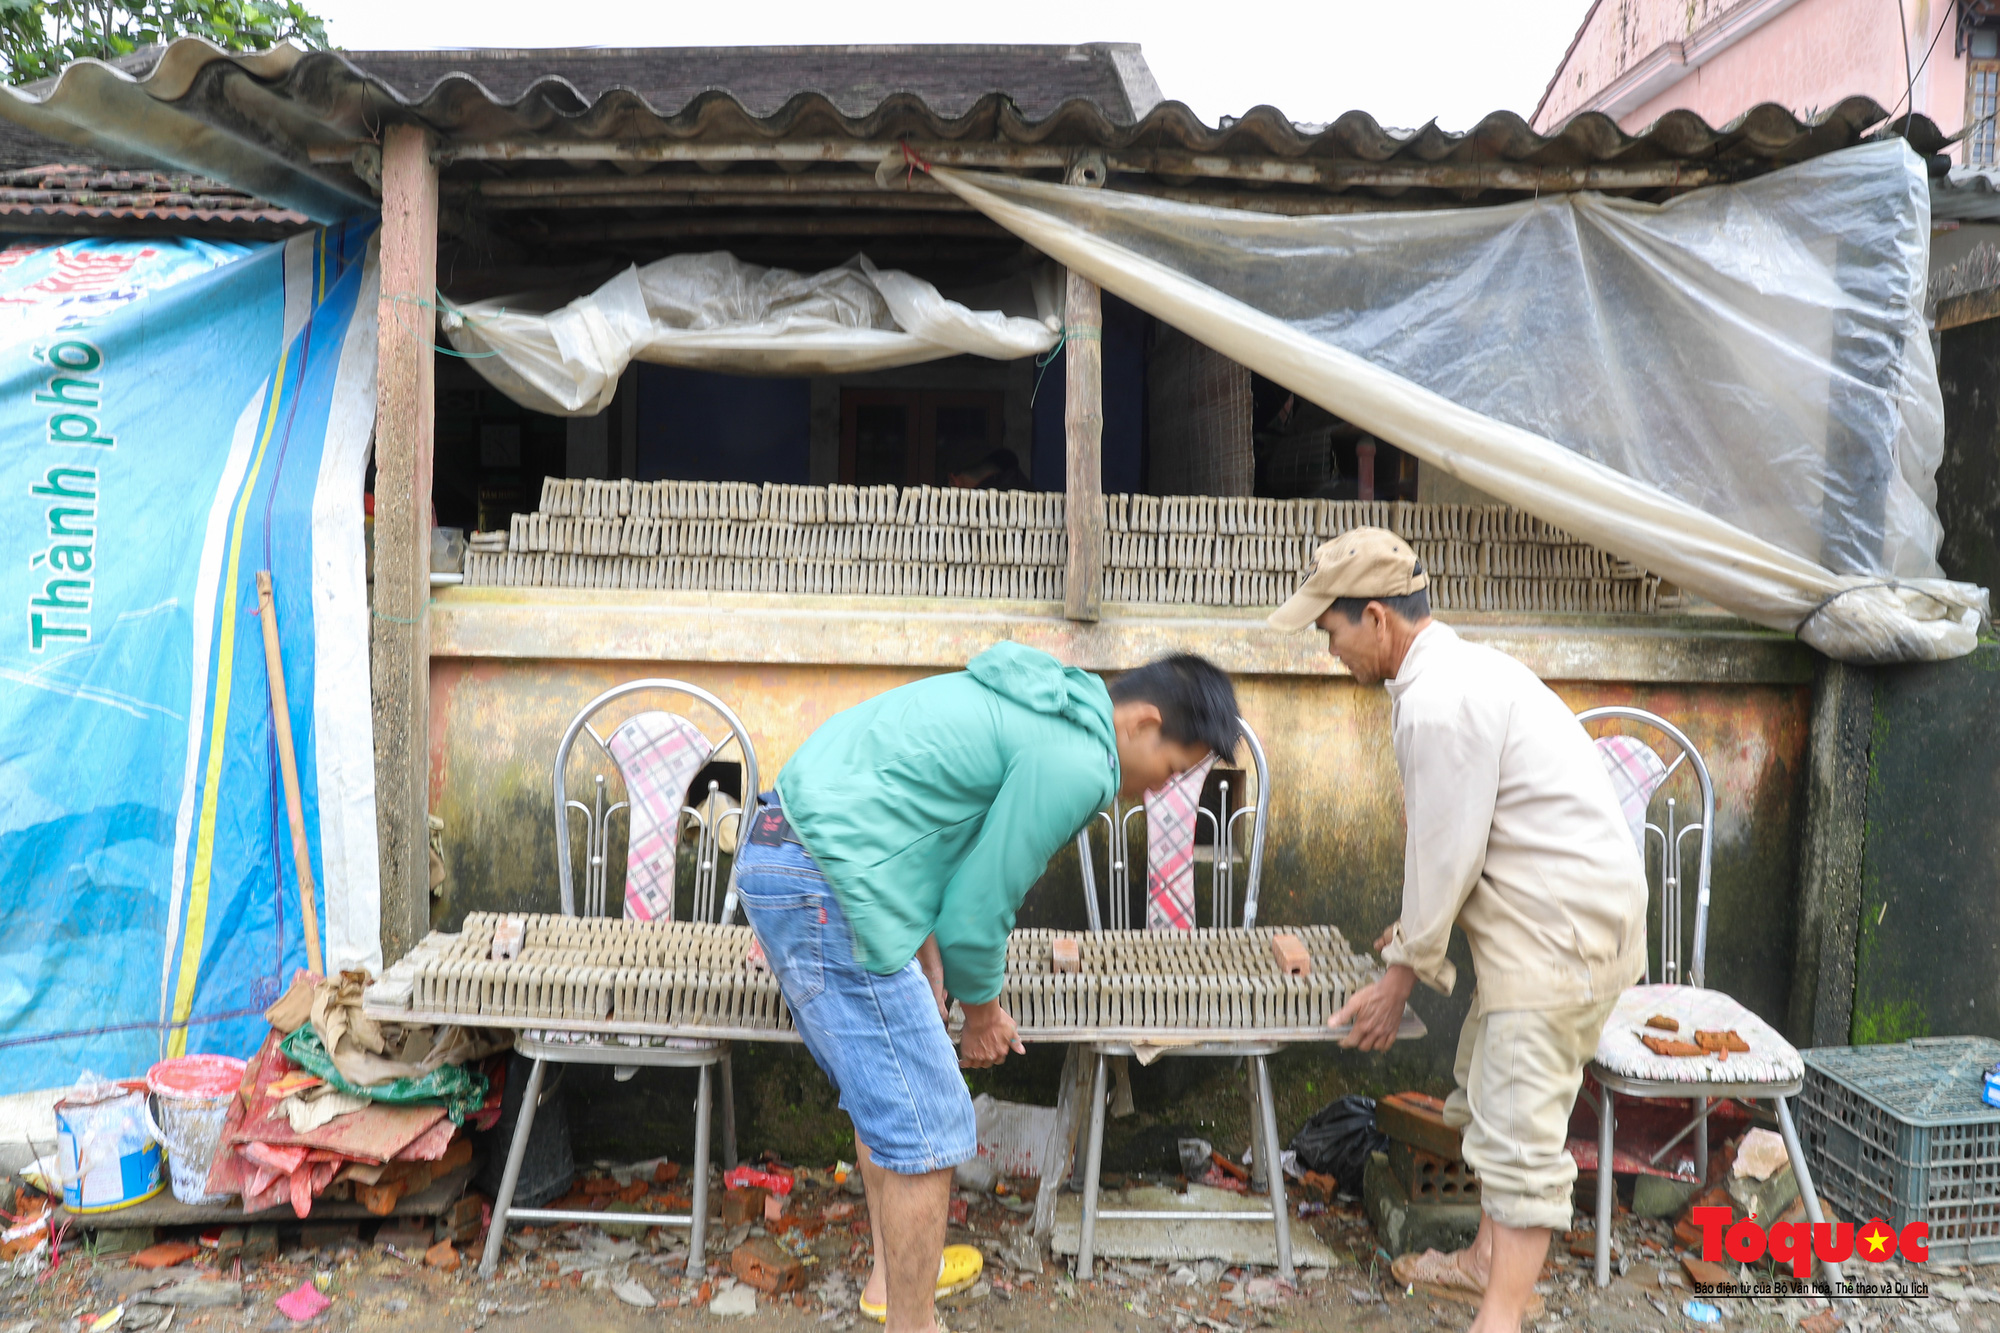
706,814
1117,914
1669,833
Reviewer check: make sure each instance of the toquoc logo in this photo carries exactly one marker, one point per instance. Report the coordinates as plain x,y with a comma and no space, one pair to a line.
1796,1243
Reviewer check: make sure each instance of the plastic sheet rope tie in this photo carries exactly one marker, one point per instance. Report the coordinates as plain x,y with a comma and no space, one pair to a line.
447,312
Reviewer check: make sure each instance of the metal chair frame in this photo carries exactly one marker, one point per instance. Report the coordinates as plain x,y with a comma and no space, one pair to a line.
1263,1115
1703,1096
702,1056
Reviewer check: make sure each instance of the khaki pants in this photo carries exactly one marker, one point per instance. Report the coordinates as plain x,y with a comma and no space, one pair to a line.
1518,1071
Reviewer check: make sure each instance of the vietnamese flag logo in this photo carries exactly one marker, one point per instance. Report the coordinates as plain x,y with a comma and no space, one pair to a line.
1875,1242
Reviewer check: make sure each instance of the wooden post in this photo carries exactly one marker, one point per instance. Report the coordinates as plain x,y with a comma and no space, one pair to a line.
400,643
288,766
1083,416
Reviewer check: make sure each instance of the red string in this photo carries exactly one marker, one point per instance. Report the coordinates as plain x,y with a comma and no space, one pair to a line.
913,161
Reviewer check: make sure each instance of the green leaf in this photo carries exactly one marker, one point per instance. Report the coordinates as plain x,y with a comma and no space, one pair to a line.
39,37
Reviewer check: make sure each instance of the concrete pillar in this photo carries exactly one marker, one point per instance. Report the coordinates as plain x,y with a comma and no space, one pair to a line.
405,415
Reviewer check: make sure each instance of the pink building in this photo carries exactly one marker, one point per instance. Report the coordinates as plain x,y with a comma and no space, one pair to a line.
1636,60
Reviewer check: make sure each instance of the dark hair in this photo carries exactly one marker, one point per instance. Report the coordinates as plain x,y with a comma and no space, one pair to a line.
1411,606
1196,701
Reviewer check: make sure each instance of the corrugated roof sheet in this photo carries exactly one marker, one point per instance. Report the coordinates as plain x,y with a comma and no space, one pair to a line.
762,79
1968,194
256,122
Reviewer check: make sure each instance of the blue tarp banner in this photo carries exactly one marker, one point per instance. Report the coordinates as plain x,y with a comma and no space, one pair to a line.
177,416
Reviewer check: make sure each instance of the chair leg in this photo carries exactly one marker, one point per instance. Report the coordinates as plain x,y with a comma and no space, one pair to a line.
1061,1156
1093,1163
1258,1174
697,1262
1701,1142
729,1158
524,1122
1607,1182
1268,1151
1794,1151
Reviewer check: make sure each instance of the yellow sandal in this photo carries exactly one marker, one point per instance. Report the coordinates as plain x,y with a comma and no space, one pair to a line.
958,1268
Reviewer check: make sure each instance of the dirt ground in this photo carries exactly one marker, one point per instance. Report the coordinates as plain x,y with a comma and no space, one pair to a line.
580,1278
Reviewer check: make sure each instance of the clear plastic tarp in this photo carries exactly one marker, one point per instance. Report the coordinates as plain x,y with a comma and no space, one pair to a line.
715,312
1734,389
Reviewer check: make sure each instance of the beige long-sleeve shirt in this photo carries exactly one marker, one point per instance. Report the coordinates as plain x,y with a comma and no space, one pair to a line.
1514,833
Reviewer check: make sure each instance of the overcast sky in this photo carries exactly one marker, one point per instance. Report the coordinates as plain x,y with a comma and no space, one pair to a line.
1448,60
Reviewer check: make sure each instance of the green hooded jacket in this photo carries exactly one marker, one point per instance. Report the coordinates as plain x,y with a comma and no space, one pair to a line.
935,807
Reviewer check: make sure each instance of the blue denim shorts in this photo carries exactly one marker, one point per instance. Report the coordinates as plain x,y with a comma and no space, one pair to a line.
878,1038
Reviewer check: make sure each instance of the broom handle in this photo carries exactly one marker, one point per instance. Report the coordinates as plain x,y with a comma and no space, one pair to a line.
281,722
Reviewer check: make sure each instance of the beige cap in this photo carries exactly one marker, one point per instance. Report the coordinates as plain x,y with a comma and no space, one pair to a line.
1366,562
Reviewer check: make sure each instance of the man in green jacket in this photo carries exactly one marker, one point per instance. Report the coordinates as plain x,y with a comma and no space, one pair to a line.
885,870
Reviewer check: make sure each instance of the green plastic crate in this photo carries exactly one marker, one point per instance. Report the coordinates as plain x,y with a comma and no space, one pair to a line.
1900,1133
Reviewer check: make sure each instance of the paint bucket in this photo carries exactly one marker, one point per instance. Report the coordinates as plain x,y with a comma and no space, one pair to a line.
106,1150
193,1093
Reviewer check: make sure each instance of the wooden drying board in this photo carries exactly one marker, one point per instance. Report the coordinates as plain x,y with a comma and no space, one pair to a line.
164,1210
1412,1028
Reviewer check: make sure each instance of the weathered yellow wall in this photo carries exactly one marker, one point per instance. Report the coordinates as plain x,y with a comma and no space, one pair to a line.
1335,847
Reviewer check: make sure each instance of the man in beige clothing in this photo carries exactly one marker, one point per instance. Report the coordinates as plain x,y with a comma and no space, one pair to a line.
1515,836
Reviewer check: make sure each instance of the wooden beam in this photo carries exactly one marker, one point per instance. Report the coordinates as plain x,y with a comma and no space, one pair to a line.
882,205
851,224
1332,175
840,182
1956,312
1083,422
399,646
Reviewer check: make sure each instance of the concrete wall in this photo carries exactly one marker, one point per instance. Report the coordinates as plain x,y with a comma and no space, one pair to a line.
1927,957
512,666
1719,58
1968,479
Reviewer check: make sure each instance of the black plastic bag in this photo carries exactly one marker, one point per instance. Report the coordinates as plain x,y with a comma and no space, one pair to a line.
1338,1139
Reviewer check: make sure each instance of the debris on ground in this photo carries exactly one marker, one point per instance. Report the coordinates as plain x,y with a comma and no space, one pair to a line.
579,1276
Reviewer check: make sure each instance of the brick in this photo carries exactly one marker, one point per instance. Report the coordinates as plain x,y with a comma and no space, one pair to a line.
1403,1227
381,1199
762,1263
666,1173
328,1235
407,1234
1290,952
1413,1118
229,1247
744,1205
1428,1178
462,1222
443,1257
1658,1196
165,1255
1706,1273
456,1154
1066,956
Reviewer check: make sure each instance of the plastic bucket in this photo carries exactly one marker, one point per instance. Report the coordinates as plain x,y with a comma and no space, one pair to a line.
106,1151
193,1094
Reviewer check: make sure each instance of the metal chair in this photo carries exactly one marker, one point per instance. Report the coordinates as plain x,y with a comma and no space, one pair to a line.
626,1054
1617,1067
1222,888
